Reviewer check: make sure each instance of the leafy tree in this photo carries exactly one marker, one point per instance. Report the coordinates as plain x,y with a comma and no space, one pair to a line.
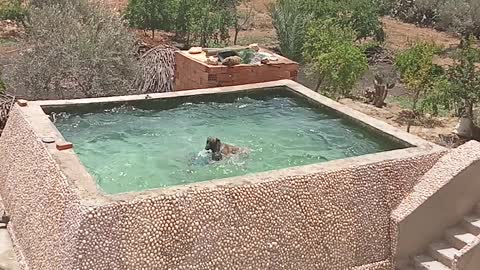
205,22
463,87
417,70
331,55
363,16
151,14
241,17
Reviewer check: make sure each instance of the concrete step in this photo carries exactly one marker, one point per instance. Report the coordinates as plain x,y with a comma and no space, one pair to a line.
459,237
472,224
443,252
425,262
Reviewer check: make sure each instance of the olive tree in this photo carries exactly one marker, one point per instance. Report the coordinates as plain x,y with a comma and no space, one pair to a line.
461,16
74,49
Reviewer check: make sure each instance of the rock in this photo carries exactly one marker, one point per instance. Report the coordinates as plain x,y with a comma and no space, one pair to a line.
195,50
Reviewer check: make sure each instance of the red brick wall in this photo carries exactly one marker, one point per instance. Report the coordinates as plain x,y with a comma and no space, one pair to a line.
191,74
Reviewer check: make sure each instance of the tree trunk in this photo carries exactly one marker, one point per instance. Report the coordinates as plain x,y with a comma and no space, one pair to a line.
235,39
319,83
153,33
414,110
415,101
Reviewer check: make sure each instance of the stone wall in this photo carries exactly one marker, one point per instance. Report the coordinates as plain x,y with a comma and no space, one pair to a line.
45,212
331,219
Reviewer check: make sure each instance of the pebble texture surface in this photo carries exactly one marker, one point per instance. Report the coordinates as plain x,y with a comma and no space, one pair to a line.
45,212
333,220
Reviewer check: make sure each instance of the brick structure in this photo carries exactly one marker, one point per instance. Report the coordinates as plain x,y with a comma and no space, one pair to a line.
193,73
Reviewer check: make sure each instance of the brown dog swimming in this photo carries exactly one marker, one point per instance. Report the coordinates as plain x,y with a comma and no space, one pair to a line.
221,150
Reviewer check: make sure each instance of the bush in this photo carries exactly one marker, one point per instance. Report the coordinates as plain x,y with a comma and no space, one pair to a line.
76,49
459,16
290,22
331,55
203,22
291,18
418,72
12,10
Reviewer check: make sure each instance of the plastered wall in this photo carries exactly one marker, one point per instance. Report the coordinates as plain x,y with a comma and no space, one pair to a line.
330,220
441,198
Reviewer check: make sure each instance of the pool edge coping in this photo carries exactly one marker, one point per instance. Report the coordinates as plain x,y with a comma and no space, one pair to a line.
70,165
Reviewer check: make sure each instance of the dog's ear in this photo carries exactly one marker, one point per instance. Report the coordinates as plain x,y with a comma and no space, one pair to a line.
210,144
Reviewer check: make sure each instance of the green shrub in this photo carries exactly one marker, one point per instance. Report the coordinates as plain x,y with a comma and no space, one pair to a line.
202,22
12,10
74,49
290,22
331,54
418,72
291,18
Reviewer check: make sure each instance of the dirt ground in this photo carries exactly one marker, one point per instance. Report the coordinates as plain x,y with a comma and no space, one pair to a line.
428,128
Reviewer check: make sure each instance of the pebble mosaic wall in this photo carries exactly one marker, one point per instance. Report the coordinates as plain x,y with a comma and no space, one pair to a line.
333,220
45,212
336,220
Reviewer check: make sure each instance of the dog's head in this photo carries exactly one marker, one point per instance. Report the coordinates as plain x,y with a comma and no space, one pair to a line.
213,144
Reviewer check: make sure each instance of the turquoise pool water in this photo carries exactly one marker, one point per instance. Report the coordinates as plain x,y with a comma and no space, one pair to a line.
138,147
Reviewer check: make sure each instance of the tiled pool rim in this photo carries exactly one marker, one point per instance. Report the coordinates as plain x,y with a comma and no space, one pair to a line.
71,166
